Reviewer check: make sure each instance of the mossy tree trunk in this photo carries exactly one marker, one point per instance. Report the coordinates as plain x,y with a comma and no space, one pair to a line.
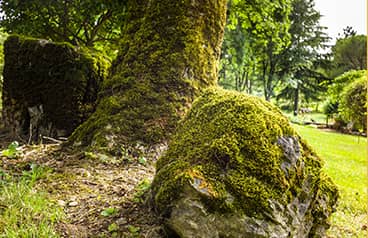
169,53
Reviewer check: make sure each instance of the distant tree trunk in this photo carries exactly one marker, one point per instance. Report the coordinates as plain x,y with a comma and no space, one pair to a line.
265,78
169,53
268,87
296,100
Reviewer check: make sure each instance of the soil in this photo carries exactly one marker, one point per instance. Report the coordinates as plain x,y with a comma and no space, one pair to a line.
85,187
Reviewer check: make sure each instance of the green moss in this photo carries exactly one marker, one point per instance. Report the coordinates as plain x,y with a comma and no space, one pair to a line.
169,51
232,139
63,79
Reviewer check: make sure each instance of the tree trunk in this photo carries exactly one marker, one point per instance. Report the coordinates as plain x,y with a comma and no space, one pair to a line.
169,53
268,87
296,100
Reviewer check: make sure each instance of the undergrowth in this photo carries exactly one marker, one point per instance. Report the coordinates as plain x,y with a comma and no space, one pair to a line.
25,211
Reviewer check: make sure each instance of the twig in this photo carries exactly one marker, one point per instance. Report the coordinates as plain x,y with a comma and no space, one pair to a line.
30,133
52,139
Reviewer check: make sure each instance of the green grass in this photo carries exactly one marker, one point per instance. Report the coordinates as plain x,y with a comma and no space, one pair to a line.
345,162
308,117
24,211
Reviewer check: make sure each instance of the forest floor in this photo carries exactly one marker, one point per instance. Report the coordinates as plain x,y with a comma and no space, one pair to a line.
101,196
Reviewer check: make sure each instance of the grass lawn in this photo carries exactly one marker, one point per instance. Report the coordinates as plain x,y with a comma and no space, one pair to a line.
346,163
307,117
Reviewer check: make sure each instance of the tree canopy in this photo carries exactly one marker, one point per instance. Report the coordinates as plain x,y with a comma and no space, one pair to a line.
79,22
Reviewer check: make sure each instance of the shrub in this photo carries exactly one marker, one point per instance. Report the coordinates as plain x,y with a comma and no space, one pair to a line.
353,105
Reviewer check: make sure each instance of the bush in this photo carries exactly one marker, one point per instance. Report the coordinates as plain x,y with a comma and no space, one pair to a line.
353,105
340,83
346,102
330,108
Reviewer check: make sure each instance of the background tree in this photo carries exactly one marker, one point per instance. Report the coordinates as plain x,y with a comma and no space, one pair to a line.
298,62
264,59
347,32
306,84
238,62
88,23
349,53
251,27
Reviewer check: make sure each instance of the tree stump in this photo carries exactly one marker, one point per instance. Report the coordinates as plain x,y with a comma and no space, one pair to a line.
49,88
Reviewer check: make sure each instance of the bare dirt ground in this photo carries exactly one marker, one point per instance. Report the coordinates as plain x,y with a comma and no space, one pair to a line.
101,196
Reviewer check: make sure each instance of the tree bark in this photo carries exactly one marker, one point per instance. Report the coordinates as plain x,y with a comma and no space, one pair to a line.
169,53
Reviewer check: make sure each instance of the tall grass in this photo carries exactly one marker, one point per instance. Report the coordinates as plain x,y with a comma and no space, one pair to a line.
24,211
346,163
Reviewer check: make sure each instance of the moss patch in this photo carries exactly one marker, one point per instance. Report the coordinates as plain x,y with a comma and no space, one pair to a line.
61,78
231,143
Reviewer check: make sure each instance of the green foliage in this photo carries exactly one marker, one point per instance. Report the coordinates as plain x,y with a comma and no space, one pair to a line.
133,230
24,211
346,163
12,151
251,27
35,173
140,190
349,53
266,22
113,227
298,63
339,83
3,37
109,212
346,100
79,22
353,104
277,57
330,108
142,160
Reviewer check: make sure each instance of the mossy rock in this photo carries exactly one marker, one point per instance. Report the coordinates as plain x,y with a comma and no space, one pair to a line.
49,88
236,168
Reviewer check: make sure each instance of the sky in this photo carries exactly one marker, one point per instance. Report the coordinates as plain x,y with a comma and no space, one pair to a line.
337,14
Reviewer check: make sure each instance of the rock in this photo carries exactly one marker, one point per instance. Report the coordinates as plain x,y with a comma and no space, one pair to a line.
121,221
73,204
61,203
236,168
